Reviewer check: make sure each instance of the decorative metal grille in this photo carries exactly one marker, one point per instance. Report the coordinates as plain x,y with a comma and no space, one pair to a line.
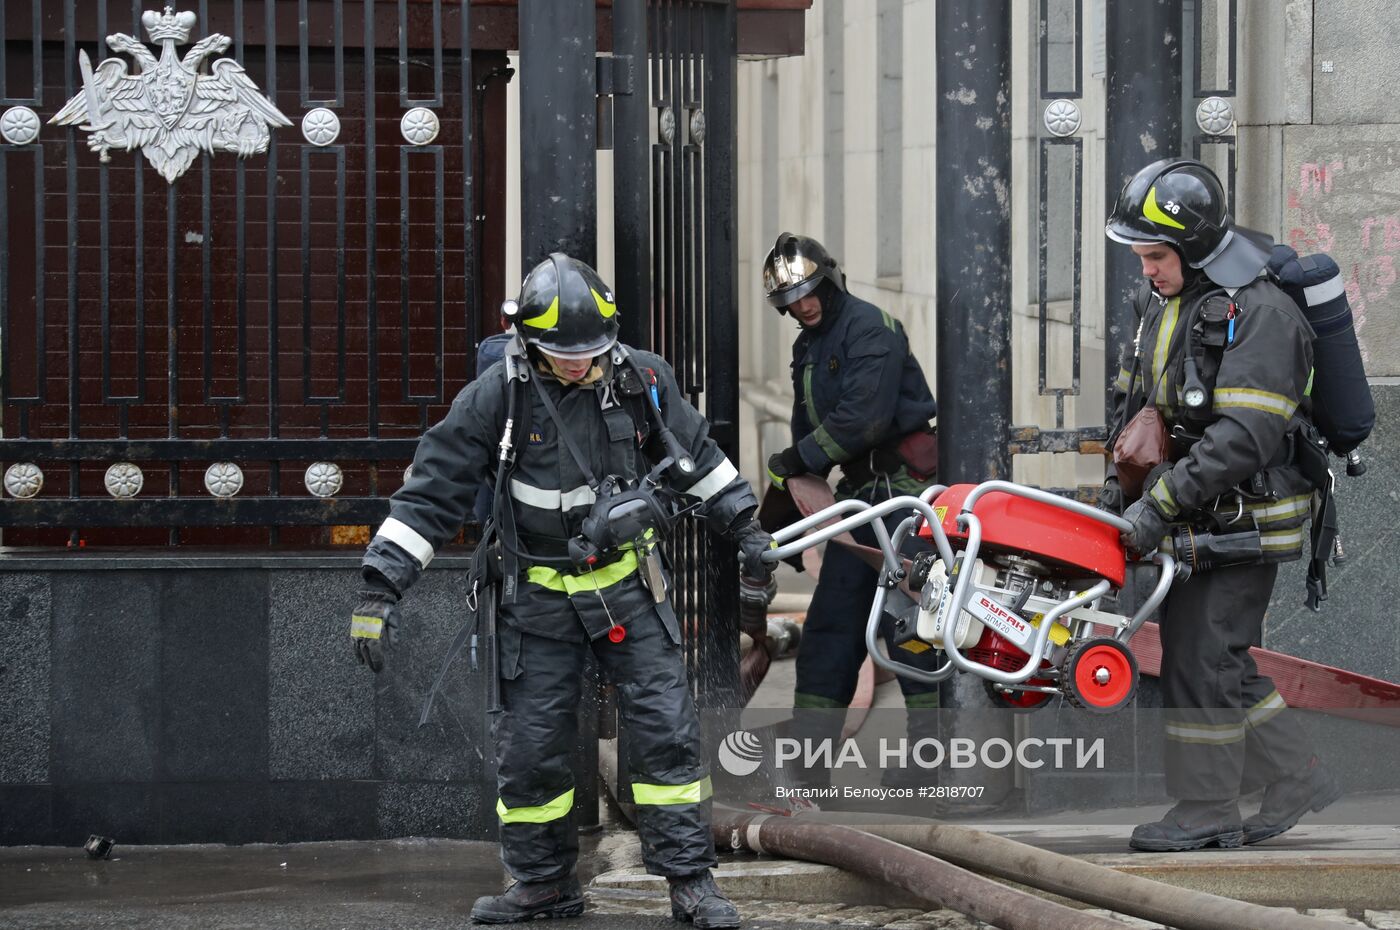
1212,26
299,307
1213,49
677,255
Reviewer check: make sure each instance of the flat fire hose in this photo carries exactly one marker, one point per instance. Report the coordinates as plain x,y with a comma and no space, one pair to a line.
1098,885
919,873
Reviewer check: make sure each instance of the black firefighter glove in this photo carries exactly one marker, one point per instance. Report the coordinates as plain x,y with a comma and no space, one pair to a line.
754,597
784,465
1111,495
1149,527
753,541
375,624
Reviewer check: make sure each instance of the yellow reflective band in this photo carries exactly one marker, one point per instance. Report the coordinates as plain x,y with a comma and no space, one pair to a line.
606,308
1253,399
1155,213
1266,708
1290,508
366,627
889,321
1124,376
1181,735
807,400
547,320
605,577
1165,330
830,446
778,481
692,793
552,810
1307,391
1215,734
1163,496
1288,539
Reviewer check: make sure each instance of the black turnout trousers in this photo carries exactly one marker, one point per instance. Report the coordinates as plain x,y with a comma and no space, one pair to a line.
541,682
1228,731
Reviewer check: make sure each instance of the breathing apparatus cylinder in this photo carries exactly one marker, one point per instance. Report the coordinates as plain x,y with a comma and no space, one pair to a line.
1342,405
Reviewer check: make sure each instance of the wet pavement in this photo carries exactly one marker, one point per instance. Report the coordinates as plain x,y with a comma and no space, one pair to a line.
421,884
1346,858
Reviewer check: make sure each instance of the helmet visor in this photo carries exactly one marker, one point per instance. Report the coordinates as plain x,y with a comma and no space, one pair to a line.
788,278
574,353
1122,232
787,296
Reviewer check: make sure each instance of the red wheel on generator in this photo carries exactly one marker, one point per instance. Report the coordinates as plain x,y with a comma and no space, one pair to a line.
1100,675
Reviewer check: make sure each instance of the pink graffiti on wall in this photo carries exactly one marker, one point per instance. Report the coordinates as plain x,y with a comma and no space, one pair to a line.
1372,246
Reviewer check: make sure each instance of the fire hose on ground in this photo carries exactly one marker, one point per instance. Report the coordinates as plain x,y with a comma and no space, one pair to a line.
914,871
1093,884
921,858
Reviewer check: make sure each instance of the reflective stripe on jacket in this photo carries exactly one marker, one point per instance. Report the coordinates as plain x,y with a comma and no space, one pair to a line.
856,386
548,490
1258,392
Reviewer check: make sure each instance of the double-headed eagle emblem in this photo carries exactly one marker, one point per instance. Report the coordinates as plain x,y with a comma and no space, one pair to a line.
168,109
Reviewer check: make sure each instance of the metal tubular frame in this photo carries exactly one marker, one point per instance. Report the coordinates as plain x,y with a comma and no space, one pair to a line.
853,514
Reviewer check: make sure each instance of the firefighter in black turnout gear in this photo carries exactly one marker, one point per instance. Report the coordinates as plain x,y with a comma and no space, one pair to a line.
1226,357
592,439
860,402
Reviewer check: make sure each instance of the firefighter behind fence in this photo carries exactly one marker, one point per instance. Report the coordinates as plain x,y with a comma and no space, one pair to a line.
589,449
1218,381
861,403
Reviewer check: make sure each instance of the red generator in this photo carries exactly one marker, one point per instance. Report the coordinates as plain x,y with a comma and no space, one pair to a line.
1019,605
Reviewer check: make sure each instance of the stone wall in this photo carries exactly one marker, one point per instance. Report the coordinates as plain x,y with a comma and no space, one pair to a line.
1318,160
209,698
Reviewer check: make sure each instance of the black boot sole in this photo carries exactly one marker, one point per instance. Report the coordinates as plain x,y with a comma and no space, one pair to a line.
552,912
1329,795
705,923
1232,839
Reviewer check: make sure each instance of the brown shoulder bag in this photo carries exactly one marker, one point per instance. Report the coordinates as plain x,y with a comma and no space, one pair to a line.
1143,443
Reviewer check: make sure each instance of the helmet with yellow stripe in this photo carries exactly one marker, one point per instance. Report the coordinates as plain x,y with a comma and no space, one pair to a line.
1182,203
565,309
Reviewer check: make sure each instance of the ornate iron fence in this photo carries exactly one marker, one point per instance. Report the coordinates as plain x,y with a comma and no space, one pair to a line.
256,343
677,252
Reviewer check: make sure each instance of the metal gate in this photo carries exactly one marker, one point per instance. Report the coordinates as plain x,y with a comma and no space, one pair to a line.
246,354
1149,95
249,353
677,252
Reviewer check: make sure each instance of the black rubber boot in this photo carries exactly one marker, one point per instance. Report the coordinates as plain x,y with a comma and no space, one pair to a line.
697,899
1288,799
1192,825
561,897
